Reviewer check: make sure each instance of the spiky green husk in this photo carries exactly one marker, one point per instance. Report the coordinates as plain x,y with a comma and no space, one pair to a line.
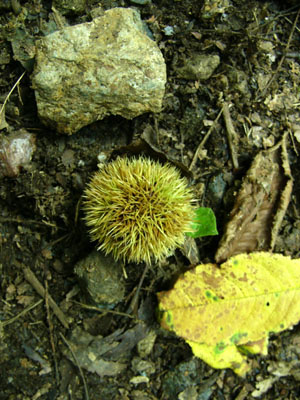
138,209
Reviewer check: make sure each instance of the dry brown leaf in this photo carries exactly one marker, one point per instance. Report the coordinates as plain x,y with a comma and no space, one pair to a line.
260,205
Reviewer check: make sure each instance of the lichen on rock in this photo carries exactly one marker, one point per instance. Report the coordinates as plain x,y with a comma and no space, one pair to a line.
88,71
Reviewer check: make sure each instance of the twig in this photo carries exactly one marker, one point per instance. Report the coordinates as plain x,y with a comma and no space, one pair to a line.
77,210
104,311
10,92
27,222
77,363
32,279
137,292
26,310
231,135
286,193
204,141
291,22
283,57
50,325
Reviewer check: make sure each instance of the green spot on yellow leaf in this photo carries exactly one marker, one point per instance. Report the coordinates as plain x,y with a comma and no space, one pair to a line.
237,337
169,319
220,347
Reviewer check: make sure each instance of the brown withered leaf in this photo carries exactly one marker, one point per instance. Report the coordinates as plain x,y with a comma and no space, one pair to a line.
260,205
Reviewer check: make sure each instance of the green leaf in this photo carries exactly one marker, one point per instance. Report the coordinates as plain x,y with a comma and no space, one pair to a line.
204,223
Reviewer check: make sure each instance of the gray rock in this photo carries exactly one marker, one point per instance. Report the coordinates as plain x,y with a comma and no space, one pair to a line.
199,67
101,278
181,377
88,71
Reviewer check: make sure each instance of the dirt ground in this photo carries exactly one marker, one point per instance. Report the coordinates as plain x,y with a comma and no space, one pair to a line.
43,234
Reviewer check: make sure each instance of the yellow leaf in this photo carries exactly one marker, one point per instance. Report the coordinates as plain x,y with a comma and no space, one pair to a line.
226,312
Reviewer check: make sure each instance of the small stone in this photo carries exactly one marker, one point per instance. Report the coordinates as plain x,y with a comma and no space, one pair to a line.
101,278
136,380
199,67
143,367
88,71
145,345
211,8
16,150
189,393
181,377
216,188
238,81
169,30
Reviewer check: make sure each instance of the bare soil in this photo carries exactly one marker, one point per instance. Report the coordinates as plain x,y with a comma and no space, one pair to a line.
41,221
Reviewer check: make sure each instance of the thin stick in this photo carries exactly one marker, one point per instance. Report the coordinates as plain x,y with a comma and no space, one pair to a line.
77,363
204,141
284,55
50,325
104,311
137,292
10,92
32,279
231,135
27,222
26,310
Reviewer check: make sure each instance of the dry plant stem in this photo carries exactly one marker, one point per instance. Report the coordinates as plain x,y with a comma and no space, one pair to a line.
27,222
293,143
297,29
10,92
26,310
231,135
286,193
124,271
77,363
104,312
201,145
263,92
50,325
32,279
286,165
133,303
58,18
156,130
78,206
